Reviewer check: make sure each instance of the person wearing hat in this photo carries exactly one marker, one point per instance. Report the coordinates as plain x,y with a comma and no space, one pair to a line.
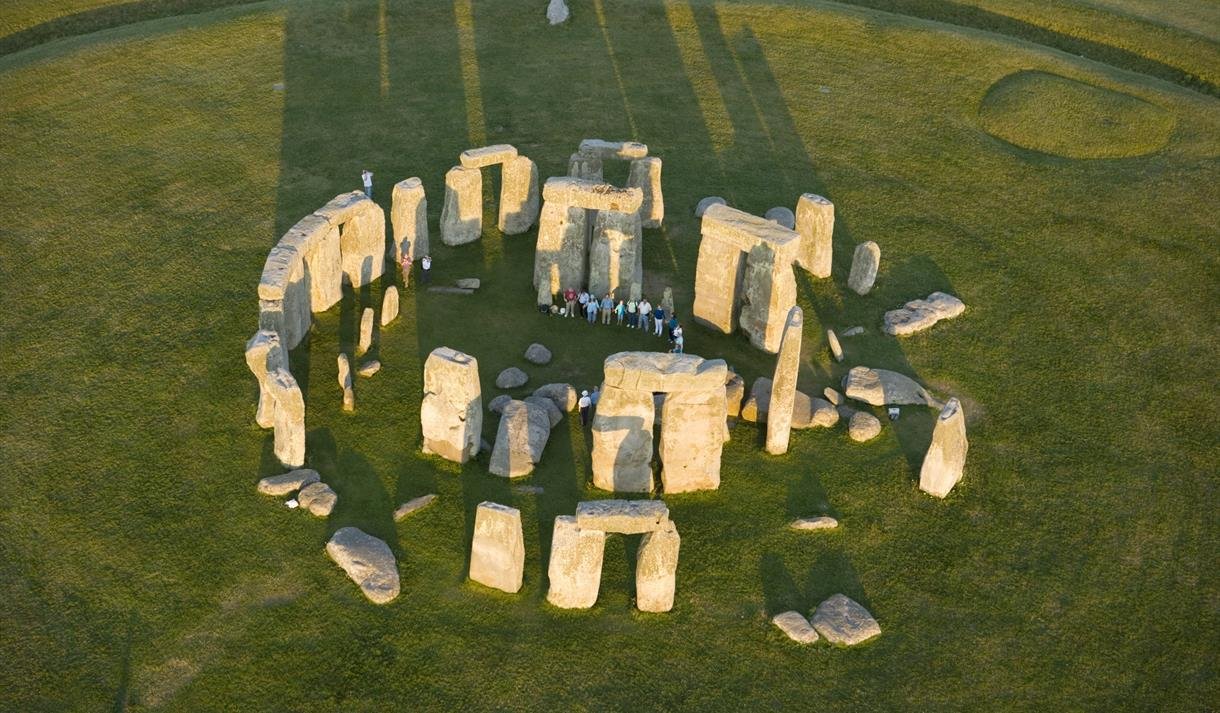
585,403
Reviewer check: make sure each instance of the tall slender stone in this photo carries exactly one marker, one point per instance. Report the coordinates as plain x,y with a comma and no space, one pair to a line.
289,418
366,331
815,222
575,567
783,384
645,173
946,456
409,220
497,550
462,215
264,355
518,195
389,305
864,263
656,569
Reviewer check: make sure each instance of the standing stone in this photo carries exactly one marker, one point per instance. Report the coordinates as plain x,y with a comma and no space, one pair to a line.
462,215
563,243
366,331
289,418
389,305
283,288
693,433
616,253
497,551
843,621
781,215
734,392
586,167
836,349
409,220
636,292
575,569
518,195
864,264
622,443
317,241
706,203
646,174
556,12
520,439
783,384
451,414
656,569
946,456
815,221
361,226
367,561
345,371
264,355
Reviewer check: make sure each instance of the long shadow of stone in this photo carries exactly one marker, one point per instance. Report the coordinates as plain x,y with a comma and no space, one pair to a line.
363,501
832,573
780,592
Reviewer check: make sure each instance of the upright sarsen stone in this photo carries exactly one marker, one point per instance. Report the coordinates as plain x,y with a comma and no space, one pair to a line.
409,220
946,456
462,215
389,305
815,222
563,243
616,253
587,167
289,418
622,441
497,550
693,434
366,331
522,436
783,384
770,291
575,567
656,569
645,173
451,414
864,264
518,195
264,355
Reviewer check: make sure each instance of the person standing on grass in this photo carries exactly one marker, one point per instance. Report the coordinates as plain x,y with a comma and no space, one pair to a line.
658,319
672,324
425,269
679,343
619,311
569,300
645,310
585,404
583,301
591,310
607,308
367,176
632,317
406,267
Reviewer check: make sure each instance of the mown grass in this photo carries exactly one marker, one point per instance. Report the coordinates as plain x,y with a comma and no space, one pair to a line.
150,168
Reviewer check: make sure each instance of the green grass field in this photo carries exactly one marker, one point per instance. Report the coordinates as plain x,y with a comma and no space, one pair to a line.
148,168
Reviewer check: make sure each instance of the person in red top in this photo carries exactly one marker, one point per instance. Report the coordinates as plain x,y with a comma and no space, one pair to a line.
569,296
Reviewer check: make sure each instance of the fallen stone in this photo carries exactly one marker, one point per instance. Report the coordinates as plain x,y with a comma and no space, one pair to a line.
564,396
511,378
842,621
528,489
864,263
853,331
863,427
881,387
629,517
288,482
918,315
815,523
468,283
836,350
446,290
538,354
497,404
781,215
367,561
318,498
833,396
708,202
487,155
734,393
553,414
389,305
656,569
497,550
575,567
369,368
366,331
413,505
810,412
946,457
556,12
796,627
520,439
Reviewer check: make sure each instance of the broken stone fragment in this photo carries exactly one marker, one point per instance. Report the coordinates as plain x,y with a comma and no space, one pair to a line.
413,505
367,561
288,482
318,498
796,627
842,621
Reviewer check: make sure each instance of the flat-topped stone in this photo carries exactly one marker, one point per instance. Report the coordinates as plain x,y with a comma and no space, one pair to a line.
842,621
655,371
702,206
656,568
563,395
592,195
881,387
744,231
488,155
367,561
497,549
413,505
289,482
824,522
613,149
796,627
918,315
815,222
629,517
575,567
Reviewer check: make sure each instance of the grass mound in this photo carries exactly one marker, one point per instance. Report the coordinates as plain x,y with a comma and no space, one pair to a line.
1063,117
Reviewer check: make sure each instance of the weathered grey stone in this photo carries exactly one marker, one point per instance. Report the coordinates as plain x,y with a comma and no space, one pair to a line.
556,12
783,384
693,433
946,456
629,517
520,439
863,426
451,414
781,215
656,569
635,292
853,331
734,392
468,283
361,225
646,174
770,291
881,387
815,523
318,243
349,399
918,315
616,253
528,489
409,219
518,196
288,482
487,156
592,195
706,203
588,168
369,368
284,289
622,441
553,414
462,215
561,253
756,405
575,567
563,395
264,355
497,550
389,305
289,418
796,627
655,371
318,499
367,561
511,378
815,221
833,396
809,412
413,505
842,621
446,290
624,150
836,349
864,263
497,404
366,331
537,354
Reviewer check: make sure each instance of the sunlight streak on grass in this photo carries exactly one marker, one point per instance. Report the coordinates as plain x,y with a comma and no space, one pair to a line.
618,74
699,71
384,47
476,122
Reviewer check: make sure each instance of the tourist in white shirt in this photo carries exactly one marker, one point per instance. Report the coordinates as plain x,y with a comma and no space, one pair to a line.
367,176
645,309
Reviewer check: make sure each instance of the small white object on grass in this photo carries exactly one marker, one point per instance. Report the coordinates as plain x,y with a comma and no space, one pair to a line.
292,504
894,413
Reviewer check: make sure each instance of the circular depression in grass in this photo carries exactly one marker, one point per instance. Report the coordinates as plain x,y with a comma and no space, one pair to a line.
1063,117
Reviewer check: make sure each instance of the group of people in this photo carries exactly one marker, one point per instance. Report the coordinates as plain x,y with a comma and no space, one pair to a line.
635,315
425,265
